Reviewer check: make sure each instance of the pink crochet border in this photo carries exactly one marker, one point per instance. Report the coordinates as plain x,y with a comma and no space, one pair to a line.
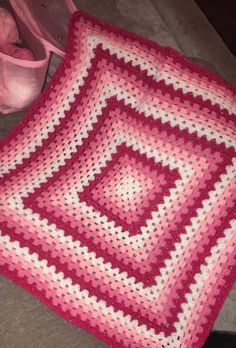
113,104
46,95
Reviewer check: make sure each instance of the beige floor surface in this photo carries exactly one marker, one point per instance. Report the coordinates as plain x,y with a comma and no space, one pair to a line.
24,321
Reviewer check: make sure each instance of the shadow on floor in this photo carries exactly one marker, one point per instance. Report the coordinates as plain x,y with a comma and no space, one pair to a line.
221,340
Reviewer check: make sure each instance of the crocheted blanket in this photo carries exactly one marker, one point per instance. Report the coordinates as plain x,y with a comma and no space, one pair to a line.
117,191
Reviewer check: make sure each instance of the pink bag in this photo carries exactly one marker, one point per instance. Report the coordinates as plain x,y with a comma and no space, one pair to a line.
42,27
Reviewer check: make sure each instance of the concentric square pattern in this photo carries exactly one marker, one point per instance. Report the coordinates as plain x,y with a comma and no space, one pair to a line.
117,192
128,189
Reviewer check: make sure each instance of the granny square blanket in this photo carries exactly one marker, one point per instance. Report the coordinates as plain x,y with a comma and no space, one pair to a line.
117,191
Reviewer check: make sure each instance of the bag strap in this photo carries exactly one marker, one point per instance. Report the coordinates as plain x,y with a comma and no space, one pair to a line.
71,6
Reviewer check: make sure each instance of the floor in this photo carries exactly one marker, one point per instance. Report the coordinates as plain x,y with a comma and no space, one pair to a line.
222,15
24,321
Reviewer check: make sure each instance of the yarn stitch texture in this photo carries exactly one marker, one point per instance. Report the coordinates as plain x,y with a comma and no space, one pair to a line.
117,191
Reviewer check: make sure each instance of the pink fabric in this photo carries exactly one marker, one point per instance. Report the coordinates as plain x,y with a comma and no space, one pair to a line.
43,25
8,28
17,52
21,73
48,20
